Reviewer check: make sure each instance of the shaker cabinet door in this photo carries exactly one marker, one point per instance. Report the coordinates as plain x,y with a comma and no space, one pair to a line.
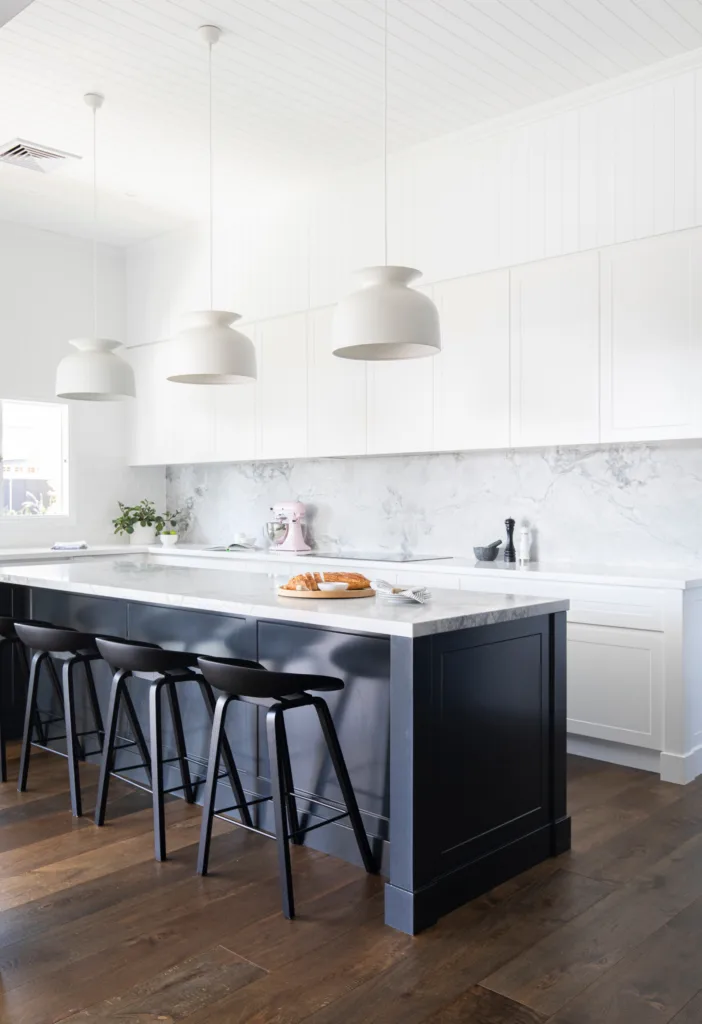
471,373
651,331
555,351
336,409
282,395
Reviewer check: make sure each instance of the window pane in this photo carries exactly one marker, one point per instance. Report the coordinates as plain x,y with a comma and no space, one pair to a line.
34,466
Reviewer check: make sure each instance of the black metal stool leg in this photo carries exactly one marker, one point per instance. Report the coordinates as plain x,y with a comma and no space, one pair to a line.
274,734
208,804
22,654
108,752
56,682
342,774
157,768
179,737
93,698
72,750
227,756
3,751
137,731
291,805
30,717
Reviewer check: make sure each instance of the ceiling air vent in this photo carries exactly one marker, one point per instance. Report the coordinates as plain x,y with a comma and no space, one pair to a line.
45,159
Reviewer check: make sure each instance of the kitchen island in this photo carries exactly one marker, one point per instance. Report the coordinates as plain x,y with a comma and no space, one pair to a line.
452,719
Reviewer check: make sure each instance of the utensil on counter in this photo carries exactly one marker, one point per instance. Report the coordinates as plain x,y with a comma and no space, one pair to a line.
510,555
488,553
420,595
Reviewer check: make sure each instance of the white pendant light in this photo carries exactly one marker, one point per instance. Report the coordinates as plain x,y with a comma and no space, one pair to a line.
94,373
207,350
384,318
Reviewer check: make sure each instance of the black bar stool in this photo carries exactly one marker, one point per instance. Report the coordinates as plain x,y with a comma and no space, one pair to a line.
73,648
278,692
162,669
9,638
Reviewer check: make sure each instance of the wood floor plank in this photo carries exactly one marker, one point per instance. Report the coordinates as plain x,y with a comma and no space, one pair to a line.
445,962
177,992
93,929
293,993
562,965
481,1006
631,852
651,984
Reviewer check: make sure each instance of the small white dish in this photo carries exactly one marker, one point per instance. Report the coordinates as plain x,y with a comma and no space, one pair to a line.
333,586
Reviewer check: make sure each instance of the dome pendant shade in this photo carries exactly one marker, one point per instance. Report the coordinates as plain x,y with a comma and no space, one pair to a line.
94,373
385,319
208,351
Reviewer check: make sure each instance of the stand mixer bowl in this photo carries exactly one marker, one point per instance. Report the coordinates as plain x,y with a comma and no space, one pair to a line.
276,531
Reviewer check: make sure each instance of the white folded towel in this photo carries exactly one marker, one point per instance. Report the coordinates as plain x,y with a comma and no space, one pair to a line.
69,545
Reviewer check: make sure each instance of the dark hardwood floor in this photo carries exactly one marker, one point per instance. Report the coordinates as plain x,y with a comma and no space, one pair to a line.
92,929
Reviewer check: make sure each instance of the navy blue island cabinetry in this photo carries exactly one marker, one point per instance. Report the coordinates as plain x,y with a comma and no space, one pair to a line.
452,719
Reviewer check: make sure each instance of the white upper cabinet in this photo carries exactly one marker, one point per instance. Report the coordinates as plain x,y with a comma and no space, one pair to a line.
401,404
652,339
234,408
336,410
281,401
471,374
555,351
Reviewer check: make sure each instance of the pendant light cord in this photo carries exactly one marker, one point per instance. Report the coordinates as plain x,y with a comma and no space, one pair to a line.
95,217
211,217
385,132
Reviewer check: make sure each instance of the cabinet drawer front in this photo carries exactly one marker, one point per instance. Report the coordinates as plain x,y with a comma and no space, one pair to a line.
627,607
615,684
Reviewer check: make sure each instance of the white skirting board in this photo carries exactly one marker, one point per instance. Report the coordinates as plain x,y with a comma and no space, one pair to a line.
677,768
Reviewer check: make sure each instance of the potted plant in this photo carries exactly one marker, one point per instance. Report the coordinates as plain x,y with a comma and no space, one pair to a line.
167,524
139,522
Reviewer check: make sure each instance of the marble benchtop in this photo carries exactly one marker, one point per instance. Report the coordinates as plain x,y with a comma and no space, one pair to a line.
135,578
667,577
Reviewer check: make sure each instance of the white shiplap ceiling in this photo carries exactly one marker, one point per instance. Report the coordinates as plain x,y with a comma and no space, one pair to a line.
297,88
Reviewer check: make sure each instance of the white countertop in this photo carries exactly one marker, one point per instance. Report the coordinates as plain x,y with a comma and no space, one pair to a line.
672,577
136,579
45,554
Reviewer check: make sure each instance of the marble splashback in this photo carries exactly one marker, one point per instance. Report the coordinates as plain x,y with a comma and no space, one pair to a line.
618,504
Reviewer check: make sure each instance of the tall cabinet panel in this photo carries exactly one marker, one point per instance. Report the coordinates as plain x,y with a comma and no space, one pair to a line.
555,351
401,404
336,409
282,387
471,374
651,329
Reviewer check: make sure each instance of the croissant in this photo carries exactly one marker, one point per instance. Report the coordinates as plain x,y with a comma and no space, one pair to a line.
310,580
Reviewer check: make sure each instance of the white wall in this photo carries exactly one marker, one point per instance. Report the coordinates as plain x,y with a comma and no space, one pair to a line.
45,299
611,169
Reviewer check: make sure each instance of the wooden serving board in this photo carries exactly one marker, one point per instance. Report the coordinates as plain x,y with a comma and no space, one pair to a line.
322,595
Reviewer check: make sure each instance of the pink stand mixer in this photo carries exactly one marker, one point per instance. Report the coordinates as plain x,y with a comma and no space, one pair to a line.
286,529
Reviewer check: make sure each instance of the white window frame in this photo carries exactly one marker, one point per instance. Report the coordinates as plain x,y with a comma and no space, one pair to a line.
65,463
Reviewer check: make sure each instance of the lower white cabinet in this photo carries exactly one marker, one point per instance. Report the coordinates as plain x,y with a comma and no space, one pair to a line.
615,684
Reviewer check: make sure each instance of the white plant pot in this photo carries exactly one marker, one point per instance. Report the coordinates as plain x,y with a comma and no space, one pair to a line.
143,535
169,540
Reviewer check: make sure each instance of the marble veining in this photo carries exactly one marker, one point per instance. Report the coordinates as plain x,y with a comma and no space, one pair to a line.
135,578
634,504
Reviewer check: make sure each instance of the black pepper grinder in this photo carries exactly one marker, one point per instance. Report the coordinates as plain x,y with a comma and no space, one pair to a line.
510,553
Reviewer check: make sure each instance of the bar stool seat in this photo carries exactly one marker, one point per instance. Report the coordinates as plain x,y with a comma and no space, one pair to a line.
73,648
278,692
161,669
9,638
